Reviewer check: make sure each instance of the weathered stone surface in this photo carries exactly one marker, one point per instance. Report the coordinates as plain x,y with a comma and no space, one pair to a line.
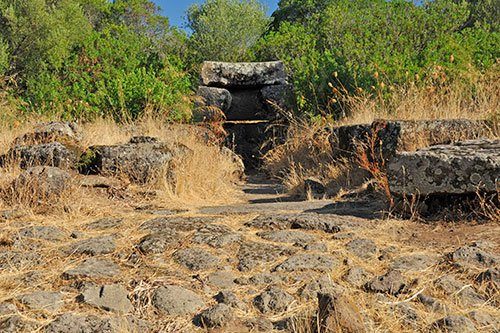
358,276
16,324
247,105
48,233
273,300
409,135
338,313
229,298
253,254
490,276
306,221
476,255
216,235
105,223
414,262
431,303
215,97
277,96
19,260
161,224
218,315
362,247
453,324
322,285
224,74
92,246
464,293
42,300
49,132
391,283
42,182
141,159
287,236
196,259
222,279
72,323
484,320
52,154
93,268
112,297
176,301
461,168
308,261
160,242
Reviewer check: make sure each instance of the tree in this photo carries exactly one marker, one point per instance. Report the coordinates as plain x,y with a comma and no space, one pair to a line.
226,30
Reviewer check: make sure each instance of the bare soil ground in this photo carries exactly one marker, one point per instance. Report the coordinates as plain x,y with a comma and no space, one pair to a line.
143,267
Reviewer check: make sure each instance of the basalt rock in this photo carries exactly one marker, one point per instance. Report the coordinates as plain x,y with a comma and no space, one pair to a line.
245,74
141,159
462,168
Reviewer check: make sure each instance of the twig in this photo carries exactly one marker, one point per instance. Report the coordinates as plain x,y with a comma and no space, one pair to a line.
406,300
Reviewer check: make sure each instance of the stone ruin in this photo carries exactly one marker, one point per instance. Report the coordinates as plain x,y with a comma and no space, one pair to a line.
248,98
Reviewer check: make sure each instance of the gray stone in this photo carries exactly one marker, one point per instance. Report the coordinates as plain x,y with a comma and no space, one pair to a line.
139,160
484,320
391,283
308,261
277,96
221,279
48,233
259,324
19,260
52,154
176,301
42,182
287,236
93,268
461,168
306,221
246,105
336,312
414,262
357,276
73,323
453,324
261,278
218,315
229,298
319,247
465,293
160,242
431,303
50,301
49,132
490,276
196,259
407,314
216,235
363,248
112,297
16,324
215,97
252,254
105,223
92,246
475,255
161,224
273,300
322,285
224,74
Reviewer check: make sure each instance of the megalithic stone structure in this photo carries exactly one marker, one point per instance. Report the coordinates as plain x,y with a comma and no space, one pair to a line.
249,97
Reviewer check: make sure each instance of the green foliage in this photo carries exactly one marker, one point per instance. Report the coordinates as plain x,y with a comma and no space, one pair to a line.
226,30
4,57
372,45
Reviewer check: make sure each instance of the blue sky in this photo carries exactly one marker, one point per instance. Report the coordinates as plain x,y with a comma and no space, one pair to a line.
175,9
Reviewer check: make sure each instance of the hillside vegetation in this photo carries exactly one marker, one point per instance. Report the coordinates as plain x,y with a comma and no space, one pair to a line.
86,59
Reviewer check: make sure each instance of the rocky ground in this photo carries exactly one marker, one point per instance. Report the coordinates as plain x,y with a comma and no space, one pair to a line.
266,264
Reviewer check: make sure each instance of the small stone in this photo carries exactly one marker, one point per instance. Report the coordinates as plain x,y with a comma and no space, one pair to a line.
308,261
490,276
474,255
216,235
322,285
176,301
259,324
273,300
185,224
252,254
391,283
196,259
17,323
72,323
221,279
44,183
105,223
48,233
93,268
229,298
336,312
108,297
217,316
414,262
160,242
465,293
363,248
431,303
407,314
92,246
287,236
453,324
42,300
306,221
318,247
357,276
